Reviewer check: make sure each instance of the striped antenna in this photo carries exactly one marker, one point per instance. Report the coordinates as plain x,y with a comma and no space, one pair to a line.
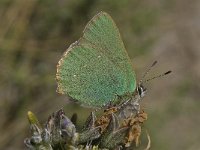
148,70
158,76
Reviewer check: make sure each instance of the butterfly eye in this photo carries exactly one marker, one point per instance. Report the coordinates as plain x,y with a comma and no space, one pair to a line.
141,90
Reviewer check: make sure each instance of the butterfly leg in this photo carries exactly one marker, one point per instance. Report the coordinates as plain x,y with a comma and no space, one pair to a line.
136,107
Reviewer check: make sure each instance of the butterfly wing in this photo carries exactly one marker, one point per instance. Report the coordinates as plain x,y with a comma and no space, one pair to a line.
96,69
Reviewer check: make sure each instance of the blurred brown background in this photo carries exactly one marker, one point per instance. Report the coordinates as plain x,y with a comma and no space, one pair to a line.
35,33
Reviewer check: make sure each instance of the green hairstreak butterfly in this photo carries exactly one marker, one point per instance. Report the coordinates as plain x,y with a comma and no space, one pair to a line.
96,69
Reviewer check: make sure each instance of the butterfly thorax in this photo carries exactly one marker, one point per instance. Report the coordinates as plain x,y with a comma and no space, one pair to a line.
131,103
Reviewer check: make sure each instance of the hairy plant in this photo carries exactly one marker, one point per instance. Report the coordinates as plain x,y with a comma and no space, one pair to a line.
106,132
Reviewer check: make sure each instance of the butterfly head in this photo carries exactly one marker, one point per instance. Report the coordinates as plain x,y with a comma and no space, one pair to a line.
141,90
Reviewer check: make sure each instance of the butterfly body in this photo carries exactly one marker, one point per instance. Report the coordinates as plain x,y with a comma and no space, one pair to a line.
96,70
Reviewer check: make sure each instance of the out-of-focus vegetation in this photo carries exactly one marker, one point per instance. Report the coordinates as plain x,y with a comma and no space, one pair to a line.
35,33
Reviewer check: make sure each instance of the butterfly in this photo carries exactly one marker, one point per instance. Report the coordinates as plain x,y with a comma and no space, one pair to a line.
96,70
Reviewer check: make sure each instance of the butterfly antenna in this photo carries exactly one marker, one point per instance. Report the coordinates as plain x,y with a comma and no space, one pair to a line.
158,76
148,70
